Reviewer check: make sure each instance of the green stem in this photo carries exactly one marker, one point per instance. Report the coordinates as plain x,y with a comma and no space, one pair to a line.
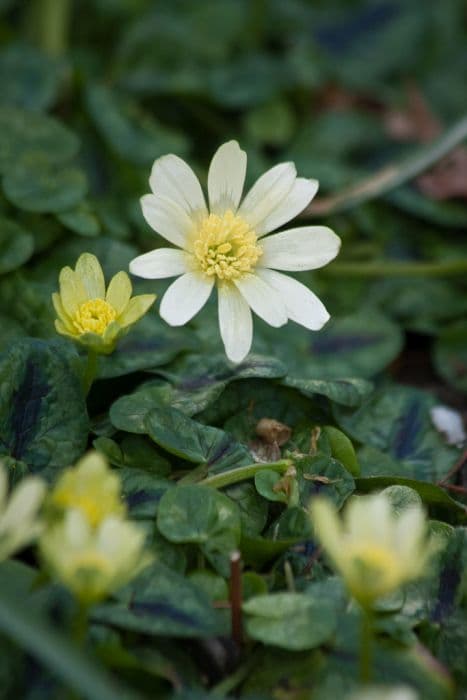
49,22
90,371
366,646
80,624
226,685
391,176
233,476
390,268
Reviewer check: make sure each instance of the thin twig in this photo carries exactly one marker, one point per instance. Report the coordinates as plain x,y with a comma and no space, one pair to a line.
391,176
454,488
456,468
236,596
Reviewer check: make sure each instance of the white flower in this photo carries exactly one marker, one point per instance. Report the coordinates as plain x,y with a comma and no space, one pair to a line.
225,245
372,548
19,523
93,562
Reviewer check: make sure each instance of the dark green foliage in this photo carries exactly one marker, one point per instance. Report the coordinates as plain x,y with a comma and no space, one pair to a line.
321,84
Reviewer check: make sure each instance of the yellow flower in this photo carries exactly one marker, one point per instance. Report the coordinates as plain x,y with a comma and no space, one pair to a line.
90,315
19,522
374,550
90,487
93,562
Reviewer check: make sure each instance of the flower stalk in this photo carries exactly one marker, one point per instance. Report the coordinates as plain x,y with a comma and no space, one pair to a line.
366,646
233,476
50,21
90,372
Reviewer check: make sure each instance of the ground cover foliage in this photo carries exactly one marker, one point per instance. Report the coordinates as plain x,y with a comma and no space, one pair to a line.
341,88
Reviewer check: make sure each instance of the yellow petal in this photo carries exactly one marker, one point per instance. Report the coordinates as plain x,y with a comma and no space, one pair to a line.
64,330
61,313
119,292
90,273
72,291
136,308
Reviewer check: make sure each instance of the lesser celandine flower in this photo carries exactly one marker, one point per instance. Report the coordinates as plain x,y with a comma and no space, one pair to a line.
226,246
374,550
88,313
93,562
19,514
90,487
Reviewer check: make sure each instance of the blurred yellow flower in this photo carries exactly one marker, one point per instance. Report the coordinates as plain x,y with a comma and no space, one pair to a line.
375,550
90,315
90,487
93,562
19,521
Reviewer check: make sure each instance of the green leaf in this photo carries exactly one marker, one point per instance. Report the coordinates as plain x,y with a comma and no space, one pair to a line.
342,449
43,419
266,483
192,384
81,220
253,508
433,496
142,492
16,245
396,421
29,78
402,498
258,551
161,602
348,392
23,133
133,451
200,379
195,442
203,516
130,131
323,475
150,344
358,345
22,623
36,184
272,123
450,354
293,621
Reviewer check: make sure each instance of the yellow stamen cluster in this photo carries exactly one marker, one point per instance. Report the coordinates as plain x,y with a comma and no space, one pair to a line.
377,565
226,246
94,316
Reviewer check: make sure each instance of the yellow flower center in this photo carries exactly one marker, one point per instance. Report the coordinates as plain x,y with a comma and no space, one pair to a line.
375,571
94,316
226,246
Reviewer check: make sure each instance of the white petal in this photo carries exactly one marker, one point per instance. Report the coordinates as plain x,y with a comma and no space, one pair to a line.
305,248
24,503
267,193
174,179
185,297
160,263
301,305
235,322
263,299
226,177
294,202
167,218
